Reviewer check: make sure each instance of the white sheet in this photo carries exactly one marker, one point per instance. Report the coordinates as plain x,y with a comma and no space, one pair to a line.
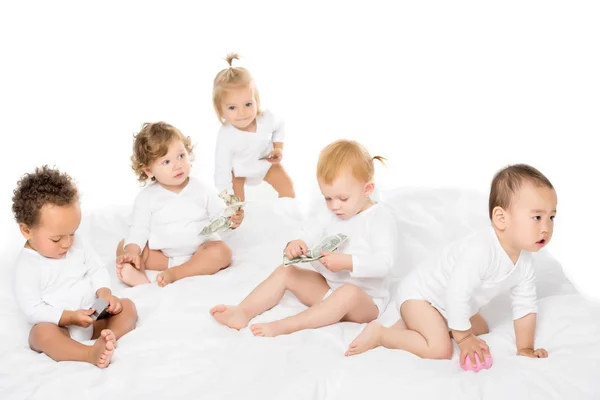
179,351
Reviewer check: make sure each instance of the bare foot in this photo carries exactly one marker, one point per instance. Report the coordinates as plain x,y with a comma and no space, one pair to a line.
270,329
109,335
165,277
368,339
231,316
131,275
102,351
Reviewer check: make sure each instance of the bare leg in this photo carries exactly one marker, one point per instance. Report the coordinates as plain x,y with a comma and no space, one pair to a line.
278,177
348,303
308,286
210,258
238,187
127,273
56,343
120,324
426,333
154,260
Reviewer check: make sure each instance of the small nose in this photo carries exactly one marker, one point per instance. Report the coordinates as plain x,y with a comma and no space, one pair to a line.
545,227
65,244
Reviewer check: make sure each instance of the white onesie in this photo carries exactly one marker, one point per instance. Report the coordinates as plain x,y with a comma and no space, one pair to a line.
240,151
372,242
45,287
171,222
467,275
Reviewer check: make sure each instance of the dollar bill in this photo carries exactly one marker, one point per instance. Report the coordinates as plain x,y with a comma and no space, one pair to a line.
229,198
220,224
329,244
223,223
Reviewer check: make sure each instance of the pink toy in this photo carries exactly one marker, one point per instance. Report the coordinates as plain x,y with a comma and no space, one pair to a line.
467,366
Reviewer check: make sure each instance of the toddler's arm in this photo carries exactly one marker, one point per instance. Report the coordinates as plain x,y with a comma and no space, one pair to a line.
139,231
30,302
525,333
466,276
223,164
382,237
524,308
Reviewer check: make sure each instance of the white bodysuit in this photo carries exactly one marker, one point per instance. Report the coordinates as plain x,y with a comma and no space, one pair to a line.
46,287
240,151
372,241
171,222
467,275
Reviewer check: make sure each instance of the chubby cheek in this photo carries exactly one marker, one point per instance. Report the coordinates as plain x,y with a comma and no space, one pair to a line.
48,248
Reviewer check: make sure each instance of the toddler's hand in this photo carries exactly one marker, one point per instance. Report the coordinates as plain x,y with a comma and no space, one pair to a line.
82,318
128,258
336,262
114,304
473,345
537,353
275,156
237,219
295,248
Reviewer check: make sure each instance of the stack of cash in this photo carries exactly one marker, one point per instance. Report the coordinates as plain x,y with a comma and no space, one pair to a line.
329,244
223,222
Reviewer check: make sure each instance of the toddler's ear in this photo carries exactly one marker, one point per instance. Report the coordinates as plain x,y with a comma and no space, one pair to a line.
148,172
499,218
25,230
369,188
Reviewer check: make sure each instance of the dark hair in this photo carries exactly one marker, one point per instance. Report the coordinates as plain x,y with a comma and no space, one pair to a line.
44,186
508,181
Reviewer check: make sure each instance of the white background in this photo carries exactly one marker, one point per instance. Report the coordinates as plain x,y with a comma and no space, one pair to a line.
449,92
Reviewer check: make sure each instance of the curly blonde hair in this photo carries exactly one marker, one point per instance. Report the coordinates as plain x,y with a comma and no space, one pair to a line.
343,155
151,143
232,78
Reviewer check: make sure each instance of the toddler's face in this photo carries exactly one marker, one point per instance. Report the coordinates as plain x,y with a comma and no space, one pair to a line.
530,217
172,169
346,196
238,107
54,234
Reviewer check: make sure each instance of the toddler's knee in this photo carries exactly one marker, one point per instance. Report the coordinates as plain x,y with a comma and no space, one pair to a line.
350,289
120,247
39,335
441,352
129,306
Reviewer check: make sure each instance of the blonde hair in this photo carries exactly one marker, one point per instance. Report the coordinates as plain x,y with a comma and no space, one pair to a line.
232,78
151,143
343,155
508,181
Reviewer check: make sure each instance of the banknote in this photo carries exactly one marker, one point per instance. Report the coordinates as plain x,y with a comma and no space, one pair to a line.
329,244
219,224
222,222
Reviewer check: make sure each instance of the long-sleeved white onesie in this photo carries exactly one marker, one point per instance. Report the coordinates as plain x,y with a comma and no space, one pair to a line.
240,152
467,275
171,222
46,287
372,242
